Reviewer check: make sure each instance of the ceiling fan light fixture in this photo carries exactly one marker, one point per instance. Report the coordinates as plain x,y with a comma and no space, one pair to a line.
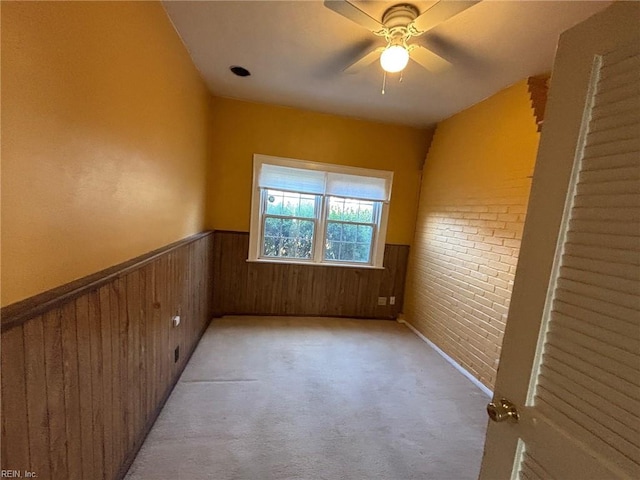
394,58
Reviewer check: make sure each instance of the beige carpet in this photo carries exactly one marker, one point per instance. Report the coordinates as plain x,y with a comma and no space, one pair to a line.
273,398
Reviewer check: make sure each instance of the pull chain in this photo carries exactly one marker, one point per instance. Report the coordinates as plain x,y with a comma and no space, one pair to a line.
384,81
401,76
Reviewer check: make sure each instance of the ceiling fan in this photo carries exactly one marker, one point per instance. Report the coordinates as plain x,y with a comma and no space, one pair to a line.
399,24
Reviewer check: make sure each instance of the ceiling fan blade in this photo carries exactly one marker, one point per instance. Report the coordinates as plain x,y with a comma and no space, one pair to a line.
353,13
429,60
364,61
440,12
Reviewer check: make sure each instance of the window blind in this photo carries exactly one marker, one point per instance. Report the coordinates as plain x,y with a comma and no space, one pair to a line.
291,179
356,186
317,182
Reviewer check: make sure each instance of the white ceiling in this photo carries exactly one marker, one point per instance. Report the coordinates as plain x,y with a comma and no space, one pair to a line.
296,51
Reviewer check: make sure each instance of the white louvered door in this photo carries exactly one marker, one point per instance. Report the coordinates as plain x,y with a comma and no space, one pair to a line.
571,353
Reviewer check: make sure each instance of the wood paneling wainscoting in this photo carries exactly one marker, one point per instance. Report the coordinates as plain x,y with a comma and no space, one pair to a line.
87,367
251,288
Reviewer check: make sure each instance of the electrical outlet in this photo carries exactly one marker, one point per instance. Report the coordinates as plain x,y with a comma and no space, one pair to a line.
392,300
382,301
176,320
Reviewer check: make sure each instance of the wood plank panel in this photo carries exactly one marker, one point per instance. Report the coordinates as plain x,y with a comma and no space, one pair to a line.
85,384
14,401
97,393
36,391
132,288
118,371
71,389
85,373
4,454
172,304
292,289
156,342
108,373
54,373
146,343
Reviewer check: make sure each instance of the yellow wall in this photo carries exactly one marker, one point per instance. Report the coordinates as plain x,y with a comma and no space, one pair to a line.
239,129
103,139
473,202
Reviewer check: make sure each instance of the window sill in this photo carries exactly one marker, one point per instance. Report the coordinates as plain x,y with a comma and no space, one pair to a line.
313,264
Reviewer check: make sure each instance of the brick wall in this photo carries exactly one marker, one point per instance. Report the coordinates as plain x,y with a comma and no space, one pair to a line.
474,194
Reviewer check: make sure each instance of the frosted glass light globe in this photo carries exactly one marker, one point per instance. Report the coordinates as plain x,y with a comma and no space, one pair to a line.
394,59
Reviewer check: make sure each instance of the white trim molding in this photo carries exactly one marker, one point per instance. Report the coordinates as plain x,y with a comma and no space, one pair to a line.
331,185
450,360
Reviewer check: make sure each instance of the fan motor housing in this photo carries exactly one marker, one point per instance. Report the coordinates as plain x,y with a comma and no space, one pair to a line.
400,15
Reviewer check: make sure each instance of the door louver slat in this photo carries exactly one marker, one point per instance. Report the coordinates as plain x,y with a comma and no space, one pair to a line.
610,161
627,257
532,470
586,381
602,308
592,319
597,291
608,123
623,200
585,427
581,400
591,369
613,366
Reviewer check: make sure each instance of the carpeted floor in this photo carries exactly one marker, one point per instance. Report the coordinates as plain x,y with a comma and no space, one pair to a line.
274,398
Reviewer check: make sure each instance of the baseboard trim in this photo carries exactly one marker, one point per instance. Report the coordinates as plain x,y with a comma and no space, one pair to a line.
453,363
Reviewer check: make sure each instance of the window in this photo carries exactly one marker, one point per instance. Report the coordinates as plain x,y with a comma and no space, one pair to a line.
289,224
308,212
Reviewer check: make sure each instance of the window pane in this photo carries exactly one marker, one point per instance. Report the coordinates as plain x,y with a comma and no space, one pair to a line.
334,231
307,206
274,202
290,204
271,246
348,242
365,233
349,232
336,207
365,212
332,250
350,210
362,252
287,238
272,227
347,252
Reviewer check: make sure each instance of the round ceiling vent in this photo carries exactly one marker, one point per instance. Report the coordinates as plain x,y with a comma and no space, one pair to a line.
239,71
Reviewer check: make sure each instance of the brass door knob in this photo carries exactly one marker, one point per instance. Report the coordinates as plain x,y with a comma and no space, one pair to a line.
502,410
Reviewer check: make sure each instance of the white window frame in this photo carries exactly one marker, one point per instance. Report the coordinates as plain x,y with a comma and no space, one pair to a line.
258,207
